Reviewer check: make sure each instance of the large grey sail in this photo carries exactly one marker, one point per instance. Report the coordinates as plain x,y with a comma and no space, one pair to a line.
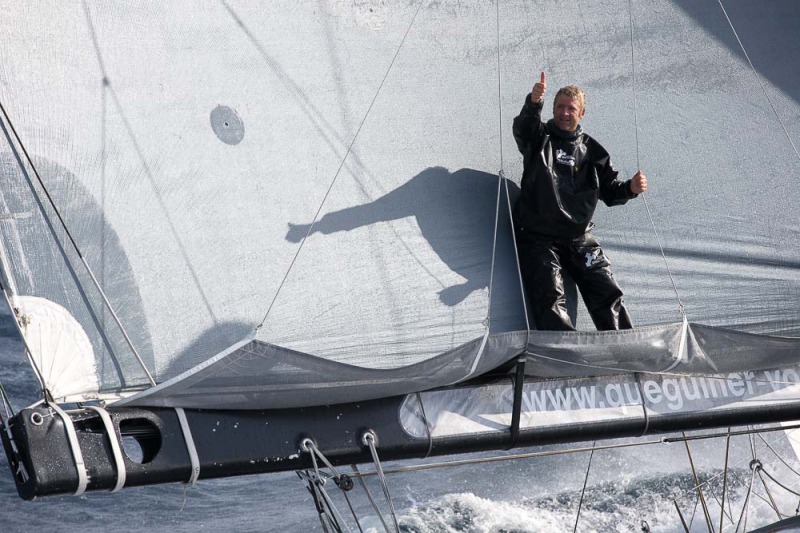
321,179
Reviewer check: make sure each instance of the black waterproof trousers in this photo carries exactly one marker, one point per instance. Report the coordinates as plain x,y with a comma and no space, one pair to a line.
542,262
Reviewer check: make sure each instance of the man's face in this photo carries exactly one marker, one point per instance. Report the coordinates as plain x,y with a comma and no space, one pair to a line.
567,112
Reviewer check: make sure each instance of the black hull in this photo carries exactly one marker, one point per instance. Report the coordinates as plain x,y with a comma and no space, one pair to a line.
235,443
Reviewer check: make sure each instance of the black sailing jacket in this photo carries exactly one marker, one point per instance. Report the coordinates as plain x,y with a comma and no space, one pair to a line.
563,177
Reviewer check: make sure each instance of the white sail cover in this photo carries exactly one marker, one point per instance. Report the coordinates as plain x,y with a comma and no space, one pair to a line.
294,203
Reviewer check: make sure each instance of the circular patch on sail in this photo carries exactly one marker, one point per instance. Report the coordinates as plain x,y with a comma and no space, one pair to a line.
227,125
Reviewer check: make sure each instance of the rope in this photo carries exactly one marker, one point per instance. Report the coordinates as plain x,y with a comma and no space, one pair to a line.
6,403
680,515
36,370
427,425
781,485
529,455
77,249
760,82
746,505
698,486
499,86
633,79
342,481
501,174
583,491
510,457
369,439
487,320
317,482
725,480
500,177
780,458
769,493
357,474
339,170
519,270
681,309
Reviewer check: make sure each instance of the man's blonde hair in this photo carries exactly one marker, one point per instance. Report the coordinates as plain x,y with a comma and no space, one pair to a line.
572,91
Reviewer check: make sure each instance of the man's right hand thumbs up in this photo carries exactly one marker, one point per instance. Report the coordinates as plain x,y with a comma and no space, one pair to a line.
537,93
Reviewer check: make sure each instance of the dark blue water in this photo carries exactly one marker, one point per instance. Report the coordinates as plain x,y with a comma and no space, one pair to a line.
625,489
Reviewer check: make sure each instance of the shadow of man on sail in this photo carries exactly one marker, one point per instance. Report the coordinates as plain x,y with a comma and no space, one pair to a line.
455,213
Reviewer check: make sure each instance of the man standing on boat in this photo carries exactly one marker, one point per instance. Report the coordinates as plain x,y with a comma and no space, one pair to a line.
565,173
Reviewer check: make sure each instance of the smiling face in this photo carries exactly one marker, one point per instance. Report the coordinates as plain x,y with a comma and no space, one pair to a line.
568,111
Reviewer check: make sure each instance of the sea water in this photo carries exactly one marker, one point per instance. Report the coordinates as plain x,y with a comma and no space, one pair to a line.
627,490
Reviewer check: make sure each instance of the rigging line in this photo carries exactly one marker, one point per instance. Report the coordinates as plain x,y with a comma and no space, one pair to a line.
681,309
102,293
36,370
781,485
746,504
500,176
319,484
779,456
760,82
428,425
108,88
750,431
725,480
309,446
357,473
755,494
502,173
771,502
370,440
519,270
9,409
529,455
510,457
499,86
680,515
698,486
583,491
352,509
633,79
341,165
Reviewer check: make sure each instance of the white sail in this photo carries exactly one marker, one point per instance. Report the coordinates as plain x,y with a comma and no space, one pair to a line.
322,178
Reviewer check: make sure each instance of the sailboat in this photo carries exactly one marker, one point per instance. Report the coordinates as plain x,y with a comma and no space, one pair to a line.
260,238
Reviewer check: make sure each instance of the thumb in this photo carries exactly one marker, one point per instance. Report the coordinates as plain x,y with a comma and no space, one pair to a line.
542,80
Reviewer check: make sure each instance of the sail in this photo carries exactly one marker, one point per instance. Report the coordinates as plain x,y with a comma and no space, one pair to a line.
307,203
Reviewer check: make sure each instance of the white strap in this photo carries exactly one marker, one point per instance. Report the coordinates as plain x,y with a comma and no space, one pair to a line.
77,455
190,447
115,445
